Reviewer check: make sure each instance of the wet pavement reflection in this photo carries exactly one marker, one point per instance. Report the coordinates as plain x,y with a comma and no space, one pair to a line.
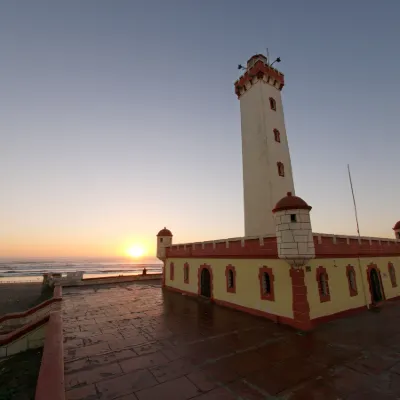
136,341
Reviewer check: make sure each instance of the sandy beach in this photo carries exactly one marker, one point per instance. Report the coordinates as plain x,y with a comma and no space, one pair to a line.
16,297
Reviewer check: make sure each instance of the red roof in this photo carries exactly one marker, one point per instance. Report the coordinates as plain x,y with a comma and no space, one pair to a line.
164,232
397,226
291,202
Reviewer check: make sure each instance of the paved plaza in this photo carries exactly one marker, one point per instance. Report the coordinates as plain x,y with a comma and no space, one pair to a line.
137,342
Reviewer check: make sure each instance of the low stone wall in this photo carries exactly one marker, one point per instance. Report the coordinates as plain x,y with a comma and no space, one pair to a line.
113,279
50,384
13,321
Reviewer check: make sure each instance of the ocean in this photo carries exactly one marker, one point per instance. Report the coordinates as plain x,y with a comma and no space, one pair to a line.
32,270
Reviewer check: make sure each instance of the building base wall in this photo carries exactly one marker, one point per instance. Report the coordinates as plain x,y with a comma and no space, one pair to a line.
344,296
296,297
248,286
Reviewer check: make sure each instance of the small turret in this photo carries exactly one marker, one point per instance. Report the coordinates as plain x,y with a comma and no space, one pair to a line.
293,230
396,229
164,239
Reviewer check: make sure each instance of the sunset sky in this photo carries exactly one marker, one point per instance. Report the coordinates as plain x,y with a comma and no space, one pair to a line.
118,118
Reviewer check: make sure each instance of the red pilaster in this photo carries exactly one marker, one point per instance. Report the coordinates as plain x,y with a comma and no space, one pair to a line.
301,307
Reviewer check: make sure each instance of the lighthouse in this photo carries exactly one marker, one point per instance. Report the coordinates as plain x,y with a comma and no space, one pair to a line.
267,169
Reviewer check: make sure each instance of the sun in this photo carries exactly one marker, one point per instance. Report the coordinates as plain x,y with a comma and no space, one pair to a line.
136,251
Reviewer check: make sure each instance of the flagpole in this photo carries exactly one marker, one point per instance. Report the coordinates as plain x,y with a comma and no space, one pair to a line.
359,238
354,200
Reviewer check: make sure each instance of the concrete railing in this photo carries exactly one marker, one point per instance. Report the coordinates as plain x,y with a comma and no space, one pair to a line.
50,384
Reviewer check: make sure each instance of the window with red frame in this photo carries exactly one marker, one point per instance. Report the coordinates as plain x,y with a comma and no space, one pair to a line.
266,283
230,274
266,279
277,135
281,169
351,278
171,271
186,273
272,103
392,274
323,285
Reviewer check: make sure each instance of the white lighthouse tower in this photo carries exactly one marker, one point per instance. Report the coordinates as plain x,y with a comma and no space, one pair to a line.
267,170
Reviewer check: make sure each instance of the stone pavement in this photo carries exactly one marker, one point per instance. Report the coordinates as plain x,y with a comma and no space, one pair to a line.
136,342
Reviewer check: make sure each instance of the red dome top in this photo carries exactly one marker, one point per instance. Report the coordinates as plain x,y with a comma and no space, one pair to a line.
164,232
397,226
291,202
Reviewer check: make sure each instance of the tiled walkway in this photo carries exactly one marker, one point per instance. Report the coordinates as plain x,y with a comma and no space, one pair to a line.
135,341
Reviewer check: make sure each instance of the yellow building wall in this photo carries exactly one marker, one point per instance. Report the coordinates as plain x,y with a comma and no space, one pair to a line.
338,284
247,282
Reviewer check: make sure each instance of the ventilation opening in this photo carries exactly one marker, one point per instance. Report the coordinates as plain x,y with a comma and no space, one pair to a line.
293,218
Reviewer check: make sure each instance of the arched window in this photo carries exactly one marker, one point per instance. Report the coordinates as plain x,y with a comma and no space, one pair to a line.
171,271
230,279
392,274
281,169
230,274
351,278
323,285
272,103
277,135
186,273
266,283
266,279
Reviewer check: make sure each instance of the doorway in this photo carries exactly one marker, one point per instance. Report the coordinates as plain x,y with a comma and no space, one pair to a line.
375,286
205,283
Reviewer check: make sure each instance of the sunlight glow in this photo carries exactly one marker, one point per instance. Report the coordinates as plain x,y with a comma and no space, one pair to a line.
136,251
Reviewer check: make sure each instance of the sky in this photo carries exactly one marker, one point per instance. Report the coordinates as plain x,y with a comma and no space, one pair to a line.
118,118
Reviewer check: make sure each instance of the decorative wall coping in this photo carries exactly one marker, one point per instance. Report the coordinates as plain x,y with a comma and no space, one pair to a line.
259,71
57,296
227,240
372,238
50,384
326,246
242,247
340,246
